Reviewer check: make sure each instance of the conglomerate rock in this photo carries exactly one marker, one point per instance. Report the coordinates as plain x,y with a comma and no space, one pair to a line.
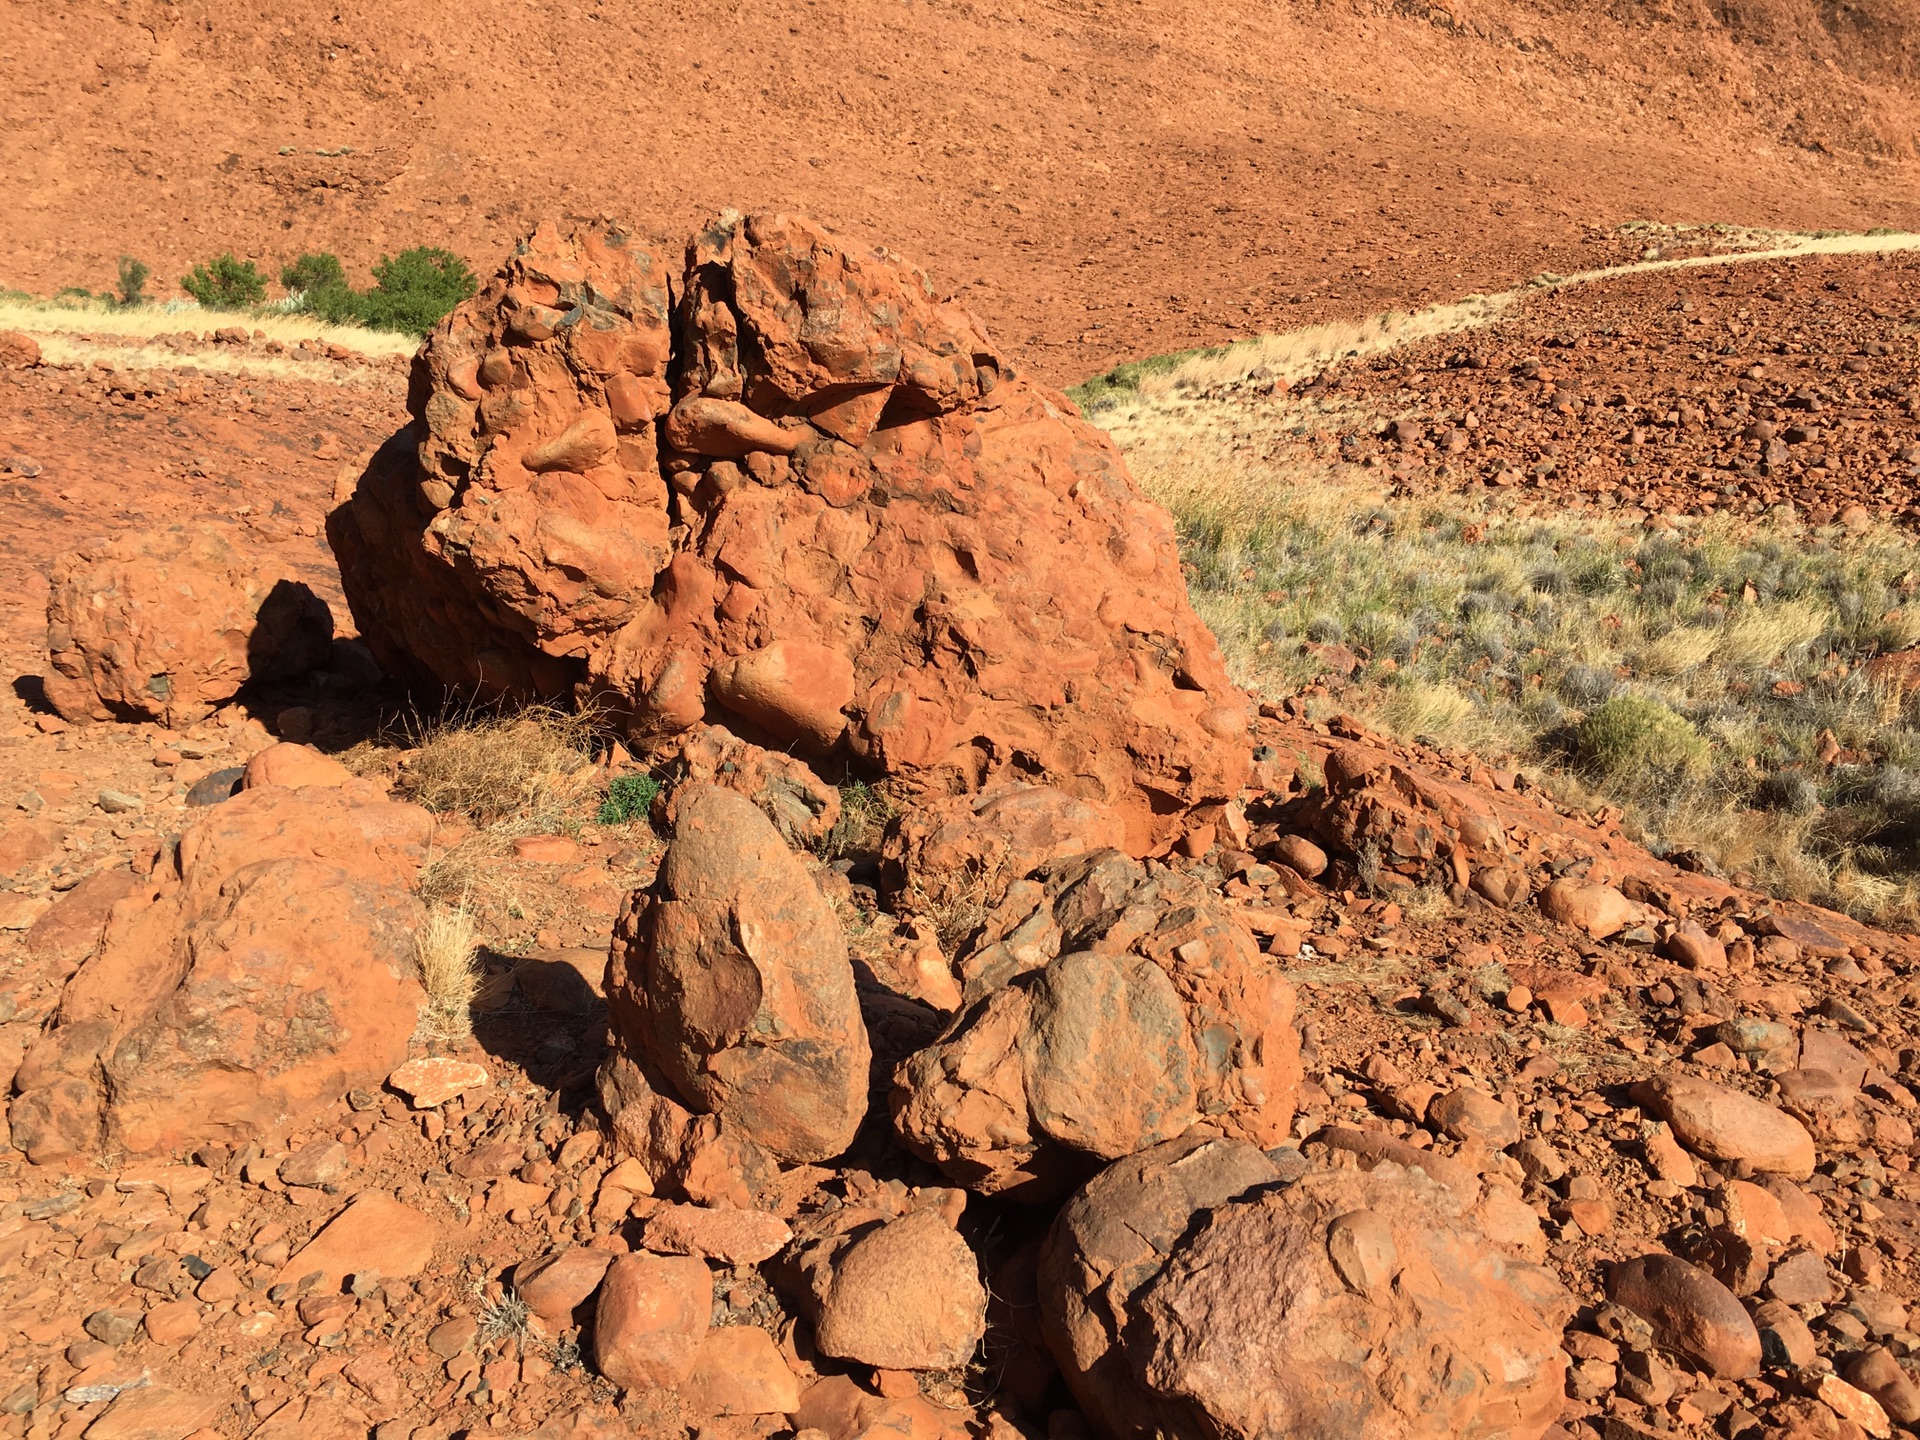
790,489
1113,1006
268,974
1191,1291
168,624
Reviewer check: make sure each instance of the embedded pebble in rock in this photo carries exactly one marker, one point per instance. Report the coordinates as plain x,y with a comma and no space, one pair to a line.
1718,1123
1690,1312
732,1237
557,1284
907,1296
652,1314
431,1082
374,1233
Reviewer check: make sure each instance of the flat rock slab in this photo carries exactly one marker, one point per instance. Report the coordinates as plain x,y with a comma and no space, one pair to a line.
375,1233
428,1083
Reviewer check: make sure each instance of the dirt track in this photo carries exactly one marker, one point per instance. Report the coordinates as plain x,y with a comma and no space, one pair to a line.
1103,179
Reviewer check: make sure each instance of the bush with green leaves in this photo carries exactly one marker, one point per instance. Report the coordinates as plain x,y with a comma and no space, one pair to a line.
313,274
224,283
412,291
1632,737
629,798
133,281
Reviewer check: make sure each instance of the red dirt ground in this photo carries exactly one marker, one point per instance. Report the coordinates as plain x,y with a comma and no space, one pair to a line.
1104,178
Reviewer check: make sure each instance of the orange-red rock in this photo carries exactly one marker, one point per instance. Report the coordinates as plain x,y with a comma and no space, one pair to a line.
294,766
652,1315
375,1234
167,624
889,541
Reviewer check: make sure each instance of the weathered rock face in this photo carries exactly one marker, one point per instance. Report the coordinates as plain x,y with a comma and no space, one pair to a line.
802,806
813,501
966,847
1347,1305
166,625
1111,1006
731,980
269,974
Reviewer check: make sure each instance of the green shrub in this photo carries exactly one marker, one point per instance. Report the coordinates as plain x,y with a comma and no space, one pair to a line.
629,798
1631,735
414,290
224,283
313,274
133,281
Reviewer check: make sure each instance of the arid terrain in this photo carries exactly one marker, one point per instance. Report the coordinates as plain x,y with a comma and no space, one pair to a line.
717,853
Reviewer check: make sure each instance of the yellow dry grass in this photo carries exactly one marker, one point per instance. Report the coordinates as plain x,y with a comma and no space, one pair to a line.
82,350
145,322
445,950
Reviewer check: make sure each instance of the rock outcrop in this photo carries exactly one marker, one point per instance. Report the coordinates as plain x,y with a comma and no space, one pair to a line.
266,974
168,624
1112,1005
1187,1291
813,501
729,981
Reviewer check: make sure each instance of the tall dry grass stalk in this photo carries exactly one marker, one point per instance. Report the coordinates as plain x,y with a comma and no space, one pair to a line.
446,953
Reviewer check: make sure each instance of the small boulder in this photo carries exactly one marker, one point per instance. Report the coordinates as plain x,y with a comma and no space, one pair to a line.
1690,1312
166,624
653,1313
375,1233
905,1296
731,978
1470,1114
1348,1305
738,1370
716,1232
18,350
1719,1123
294,766
969,848
1598,910
558,1283
433,1080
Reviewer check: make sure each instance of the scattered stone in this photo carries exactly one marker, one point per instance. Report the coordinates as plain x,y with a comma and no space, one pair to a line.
1599,910
431,1082
153,1412
557,1284
652,1315
295,766
1718,1123
738,1370
1690,1312
324,1162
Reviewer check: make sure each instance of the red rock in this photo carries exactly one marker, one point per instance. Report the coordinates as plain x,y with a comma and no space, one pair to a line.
173,1323
294,766
154,1412
546,849
652,1315
1876,1372
1168,1013
434,1080
973,846
1692,947
1851,1403
1719,1123
802,806
738,1370
166,624
272,973
906,1296
972,592
557,1284
68,932
1232,1309
18,350
1469,1114
731,977
1300,854
714,1232
1598,910
1690,1312
375,1234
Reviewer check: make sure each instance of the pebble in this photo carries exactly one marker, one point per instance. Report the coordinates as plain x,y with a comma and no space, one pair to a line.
118,802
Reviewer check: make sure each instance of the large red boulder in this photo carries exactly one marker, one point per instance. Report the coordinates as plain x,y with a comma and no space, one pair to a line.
812,502
265,976
168,624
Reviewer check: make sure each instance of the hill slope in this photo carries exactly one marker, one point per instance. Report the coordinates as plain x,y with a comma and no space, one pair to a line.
1107,176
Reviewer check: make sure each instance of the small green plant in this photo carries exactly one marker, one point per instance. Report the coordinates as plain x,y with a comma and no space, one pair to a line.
1632,736
864,816
313,275
629,798
132,284
224,283
414,290
74,292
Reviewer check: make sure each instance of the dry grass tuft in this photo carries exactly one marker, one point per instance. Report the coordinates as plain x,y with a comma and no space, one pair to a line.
145,322
445,950
530,769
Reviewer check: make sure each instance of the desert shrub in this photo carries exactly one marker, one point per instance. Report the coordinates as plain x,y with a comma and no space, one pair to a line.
629,798
531,766
445,948
1633,736
414,290
1325,630
1792,791
313,275
224,283
132,284
1586,686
